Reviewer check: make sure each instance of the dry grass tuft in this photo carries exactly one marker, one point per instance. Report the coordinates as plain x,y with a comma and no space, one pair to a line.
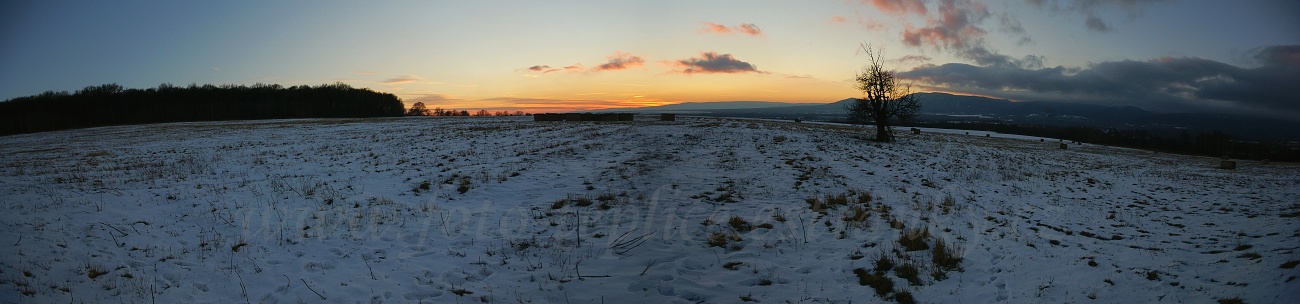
880,283
914,239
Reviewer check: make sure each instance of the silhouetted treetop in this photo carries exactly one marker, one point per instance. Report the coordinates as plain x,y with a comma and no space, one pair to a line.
111,104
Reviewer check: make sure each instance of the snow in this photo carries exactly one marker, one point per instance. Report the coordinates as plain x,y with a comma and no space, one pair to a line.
332,211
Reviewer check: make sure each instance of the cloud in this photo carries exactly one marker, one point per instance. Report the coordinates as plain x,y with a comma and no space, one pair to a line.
953,30
956,29
546,69
430,100
743,28
620,61
1094,23
710,27
917,59
1091,9
541,105
899,7
402,79
1279,55
870,25
532,102
1011,25
1189,83
750,29
711,62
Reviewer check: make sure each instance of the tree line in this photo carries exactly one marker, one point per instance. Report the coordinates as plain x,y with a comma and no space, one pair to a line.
111,104
419,109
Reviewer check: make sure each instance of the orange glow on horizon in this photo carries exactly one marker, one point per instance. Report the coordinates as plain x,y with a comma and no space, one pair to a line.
547,105
577,94
565,105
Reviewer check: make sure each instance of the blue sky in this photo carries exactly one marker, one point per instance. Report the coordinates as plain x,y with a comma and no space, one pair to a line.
563,55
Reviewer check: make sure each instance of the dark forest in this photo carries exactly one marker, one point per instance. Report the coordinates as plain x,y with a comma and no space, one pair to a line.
111,104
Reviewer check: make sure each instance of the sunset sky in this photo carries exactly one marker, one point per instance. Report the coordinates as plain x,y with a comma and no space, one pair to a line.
535,56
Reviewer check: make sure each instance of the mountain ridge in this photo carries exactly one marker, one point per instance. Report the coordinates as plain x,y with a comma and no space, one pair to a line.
944,107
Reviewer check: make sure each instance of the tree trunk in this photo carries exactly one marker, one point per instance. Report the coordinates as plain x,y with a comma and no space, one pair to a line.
882,126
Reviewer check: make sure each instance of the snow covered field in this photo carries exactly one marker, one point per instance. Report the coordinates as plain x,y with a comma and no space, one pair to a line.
507,210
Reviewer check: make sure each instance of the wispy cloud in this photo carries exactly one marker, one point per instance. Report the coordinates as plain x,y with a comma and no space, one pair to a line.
564,105
431,100
544,69
1010,25
743,28
899,7
1091,9
710,62
620,61
913,59
1094,23
402,79
1162,82
866,24
710,27
533,102
571,68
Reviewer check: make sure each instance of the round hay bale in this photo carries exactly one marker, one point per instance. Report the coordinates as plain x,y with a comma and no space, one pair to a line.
668,117
1227,164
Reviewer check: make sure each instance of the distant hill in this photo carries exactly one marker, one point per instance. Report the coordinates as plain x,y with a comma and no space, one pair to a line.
942,107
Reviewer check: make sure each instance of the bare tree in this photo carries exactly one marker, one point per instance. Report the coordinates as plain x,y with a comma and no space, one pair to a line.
883,97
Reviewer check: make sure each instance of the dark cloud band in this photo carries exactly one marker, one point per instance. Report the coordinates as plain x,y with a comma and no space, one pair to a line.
1193,82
